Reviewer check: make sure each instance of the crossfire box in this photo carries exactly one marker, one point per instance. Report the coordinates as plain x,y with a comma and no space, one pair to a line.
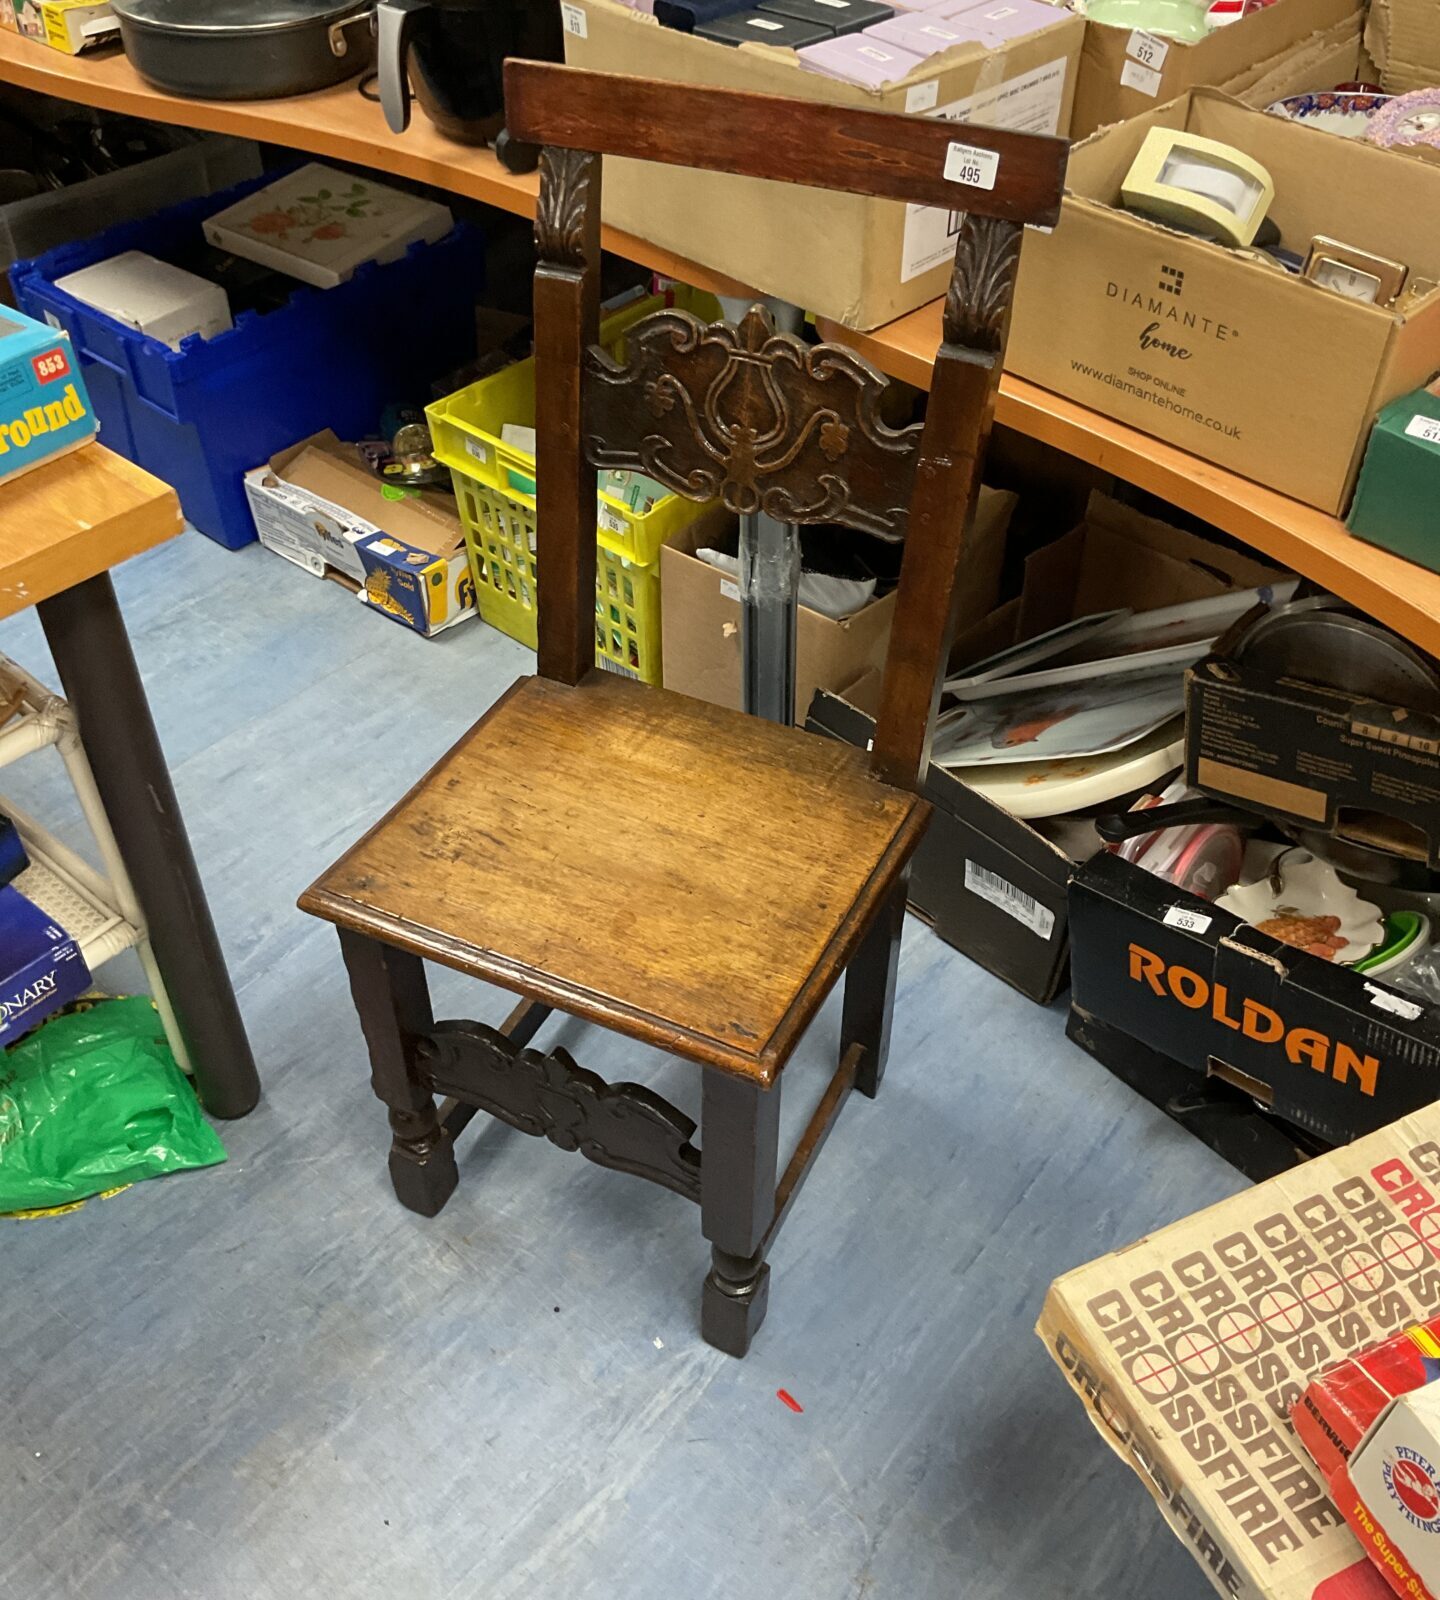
1190,1348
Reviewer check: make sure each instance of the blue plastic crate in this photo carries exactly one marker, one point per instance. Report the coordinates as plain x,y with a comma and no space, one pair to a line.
200,417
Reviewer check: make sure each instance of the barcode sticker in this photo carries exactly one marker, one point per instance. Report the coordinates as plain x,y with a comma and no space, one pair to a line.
1426,428
1383,1000
1015,902
609,520
922,96
475,448
1145,79
574,20
1190,921
1147,49
972,166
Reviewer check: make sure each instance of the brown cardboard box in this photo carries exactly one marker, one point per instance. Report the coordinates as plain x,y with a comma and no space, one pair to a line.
1404,38
701,618
1264,373
858,260
1335,56
1124,72
1188,1348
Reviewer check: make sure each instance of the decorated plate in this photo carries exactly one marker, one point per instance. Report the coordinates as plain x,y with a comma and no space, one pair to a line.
1339,111
1302,902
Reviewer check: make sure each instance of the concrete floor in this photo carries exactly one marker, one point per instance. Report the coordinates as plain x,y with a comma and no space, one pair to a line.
267,1380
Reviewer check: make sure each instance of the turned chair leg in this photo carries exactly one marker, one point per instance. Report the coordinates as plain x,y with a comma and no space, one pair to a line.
870,992
739,1133
393,1000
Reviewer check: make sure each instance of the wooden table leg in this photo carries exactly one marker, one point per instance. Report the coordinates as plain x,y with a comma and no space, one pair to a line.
97,668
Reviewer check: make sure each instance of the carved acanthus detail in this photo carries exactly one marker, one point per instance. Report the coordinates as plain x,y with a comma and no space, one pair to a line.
986,257
621,1125
759,419
565,179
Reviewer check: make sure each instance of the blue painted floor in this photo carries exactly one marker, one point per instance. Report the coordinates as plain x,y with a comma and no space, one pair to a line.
267,1380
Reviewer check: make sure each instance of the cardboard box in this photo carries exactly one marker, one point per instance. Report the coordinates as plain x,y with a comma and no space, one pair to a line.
1371,1423
1211,350
991,884
402,550
44,408
1189,1347
785,240
78,25
1317,758
1334,1052
701,618
1125,72
1404,38
1399,487
41,968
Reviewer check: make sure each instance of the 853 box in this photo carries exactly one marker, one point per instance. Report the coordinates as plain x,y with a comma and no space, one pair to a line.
44,409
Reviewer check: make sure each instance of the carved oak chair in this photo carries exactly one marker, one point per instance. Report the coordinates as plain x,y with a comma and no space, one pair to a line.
688,876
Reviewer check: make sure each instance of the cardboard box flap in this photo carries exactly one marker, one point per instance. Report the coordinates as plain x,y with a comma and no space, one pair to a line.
327,467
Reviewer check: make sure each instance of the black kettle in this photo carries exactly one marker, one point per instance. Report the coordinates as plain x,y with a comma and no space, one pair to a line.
454,51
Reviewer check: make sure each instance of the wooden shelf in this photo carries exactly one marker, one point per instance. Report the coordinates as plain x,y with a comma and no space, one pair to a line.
341,124
74,518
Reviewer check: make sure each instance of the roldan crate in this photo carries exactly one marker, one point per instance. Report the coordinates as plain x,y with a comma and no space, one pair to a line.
200,417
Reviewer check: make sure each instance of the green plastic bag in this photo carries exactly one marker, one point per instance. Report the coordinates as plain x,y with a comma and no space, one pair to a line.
93,1100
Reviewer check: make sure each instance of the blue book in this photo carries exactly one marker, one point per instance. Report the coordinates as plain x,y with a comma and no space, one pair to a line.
41,968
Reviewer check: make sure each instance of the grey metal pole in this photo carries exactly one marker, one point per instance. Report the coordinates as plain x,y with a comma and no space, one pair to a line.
769,576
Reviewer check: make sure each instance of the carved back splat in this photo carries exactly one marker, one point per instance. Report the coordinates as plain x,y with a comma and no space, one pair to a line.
758,418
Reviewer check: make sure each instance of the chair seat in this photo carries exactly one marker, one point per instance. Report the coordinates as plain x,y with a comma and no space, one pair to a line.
690,876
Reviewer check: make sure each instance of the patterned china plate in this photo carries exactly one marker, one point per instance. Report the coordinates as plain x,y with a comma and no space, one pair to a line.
1334,110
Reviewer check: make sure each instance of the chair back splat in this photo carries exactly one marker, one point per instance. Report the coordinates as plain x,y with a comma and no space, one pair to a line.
760,419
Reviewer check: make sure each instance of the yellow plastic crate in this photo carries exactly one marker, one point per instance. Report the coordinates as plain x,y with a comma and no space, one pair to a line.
495,491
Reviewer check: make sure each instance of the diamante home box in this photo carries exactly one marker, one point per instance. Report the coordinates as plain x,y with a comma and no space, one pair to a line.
1190,1347
1214,350
855,259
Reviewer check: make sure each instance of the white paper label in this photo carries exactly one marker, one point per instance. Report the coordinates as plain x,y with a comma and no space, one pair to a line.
972,166
475,448
1015,902
574,20
730,589
1426,428
764,22
1030,103
1147,49
610,521
872,54
922,96
835,5
1383,1000
1190,921
1145,79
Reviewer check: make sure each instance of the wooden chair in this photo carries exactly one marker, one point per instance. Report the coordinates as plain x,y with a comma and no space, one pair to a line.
691,877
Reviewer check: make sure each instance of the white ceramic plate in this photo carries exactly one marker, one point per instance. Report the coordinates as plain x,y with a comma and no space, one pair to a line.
1311,910
1048,788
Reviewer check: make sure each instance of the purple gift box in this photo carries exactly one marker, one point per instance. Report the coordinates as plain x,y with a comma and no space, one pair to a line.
857,58
924,33
997,21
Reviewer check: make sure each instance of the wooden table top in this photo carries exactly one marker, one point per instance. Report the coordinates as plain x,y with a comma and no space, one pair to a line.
341,124
75,518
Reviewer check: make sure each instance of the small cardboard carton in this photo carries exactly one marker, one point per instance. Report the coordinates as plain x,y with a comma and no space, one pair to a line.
1190,1347
1125,71
702,617
41,967
1372,1425
1404,38
854,259
1216,352
990,883
1399,487
1319,758
44,407
403,551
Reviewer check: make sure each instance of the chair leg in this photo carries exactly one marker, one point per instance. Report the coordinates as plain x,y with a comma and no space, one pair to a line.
870,992
739,1131
393,1000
